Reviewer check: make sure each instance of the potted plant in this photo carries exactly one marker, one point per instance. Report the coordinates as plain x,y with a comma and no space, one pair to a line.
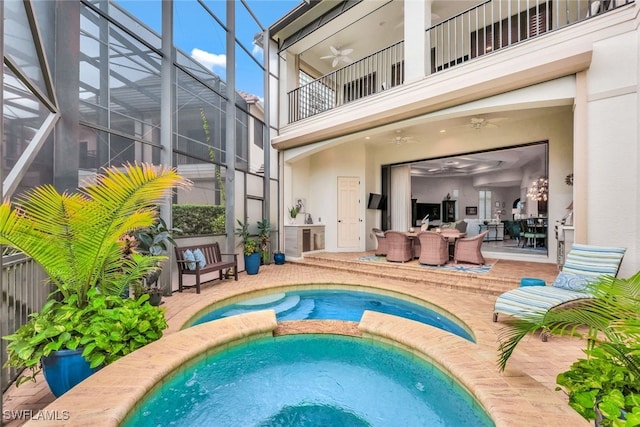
77,238
605,386
155,241
264,237
293,213
250,249
279,258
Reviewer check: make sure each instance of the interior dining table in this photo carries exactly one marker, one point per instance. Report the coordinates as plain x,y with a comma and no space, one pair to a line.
450,233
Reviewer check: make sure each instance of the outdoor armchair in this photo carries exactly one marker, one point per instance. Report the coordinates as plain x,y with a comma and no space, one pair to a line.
400,248
468,249
381,248
434,248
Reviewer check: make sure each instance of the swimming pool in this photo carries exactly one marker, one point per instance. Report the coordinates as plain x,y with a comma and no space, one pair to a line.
310,380
334,304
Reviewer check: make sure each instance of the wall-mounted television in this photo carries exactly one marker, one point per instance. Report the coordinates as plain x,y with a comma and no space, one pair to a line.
377,201
431,209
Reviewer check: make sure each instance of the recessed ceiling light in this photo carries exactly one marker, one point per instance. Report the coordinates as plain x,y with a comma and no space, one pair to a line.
367,137
443,130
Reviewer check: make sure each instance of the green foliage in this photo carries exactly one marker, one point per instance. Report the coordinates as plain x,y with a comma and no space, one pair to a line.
610,376
107,328
250,246
82,242
155,240
264,237
601,381
218,224
77,238
196,220
293,211
212,156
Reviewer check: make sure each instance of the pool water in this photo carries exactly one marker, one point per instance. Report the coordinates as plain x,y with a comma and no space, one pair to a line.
333,304
310,380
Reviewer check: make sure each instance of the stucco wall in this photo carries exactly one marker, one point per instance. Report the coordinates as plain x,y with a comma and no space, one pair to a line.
613,158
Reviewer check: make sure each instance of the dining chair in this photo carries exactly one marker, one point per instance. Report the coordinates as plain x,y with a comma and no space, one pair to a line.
399,246
535,230
415,243
434,248
468,249
381,248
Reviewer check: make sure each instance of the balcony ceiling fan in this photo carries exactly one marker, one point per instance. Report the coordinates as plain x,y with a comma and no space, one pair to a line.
402,140
480,122
338,55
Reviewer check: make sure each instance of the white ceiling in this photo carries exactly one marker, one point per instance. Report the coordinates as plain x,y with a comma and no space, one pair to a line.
476,164
381,27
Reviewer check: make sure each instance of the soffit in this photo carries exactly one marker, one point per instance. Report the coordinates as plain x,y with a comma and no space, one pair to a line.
435,93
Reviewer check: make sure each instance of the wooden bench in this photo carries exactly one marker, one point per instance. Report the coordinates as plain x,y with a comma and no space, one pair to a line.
214,262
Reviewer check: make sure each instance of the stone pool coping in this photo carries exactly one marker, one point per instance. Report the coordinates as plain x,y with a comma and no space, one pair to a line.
107,397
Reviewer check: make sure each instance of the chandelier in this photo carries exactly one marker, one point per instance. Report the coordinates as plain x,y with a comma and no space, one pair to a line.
539,190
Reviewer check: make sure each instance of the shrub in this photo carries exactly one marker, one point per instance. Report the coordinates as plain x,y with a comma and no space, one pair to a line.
196,220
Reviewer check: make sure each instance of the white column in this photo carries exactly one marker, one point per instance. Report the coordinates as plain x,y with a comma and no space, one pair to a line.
417,18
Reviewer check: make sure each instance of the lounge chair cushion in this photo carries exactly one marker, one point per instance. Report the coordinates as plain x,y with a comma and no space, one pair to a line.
534,299
572,281
583,263
593,261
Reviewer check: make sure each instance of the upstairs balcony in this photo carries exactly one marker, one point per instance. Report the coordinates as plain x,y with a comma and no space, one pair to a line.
455,38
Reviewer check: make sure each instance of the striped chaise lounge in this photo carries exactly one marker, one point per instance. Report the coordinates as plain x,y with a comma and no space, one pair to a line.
584,263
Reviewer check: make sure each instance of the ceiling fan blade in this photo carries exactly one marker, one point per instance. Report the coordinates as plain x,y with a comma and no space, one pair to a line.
346,59
335,61
346,52
334,50
327,57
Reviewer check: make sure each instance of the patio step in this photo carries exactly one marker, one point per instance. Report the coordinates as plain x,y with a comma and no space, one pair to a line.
466,281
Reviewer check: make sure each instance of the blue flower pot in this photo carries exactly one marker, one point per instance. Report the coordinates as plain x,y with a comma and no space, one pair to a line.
252,263
63,369
278,258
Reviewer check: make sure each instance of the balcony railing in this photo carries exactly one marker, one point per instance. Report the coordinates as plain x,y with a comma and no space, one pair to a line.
23,292
479,31
376,72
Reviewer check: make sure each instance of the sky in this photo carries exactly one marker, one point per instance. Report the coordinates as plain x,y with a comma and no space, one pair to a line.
199,36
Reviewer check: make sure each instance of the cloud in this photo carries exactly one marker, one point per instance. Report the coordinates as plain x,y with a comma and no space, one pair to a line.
257,50
209,60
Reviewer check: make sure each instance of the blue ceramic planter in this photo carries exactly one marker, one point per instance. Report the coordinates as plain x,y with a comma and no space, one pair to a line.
64,369
252,263
278,258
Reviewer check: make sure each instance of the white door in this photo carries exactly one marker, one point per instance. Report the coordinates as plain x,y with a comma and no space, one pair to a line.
348,212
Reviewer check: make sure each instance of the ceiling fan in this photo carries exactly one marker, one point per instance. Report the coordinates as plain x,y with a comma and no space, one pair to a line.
480,123
402,140
338,55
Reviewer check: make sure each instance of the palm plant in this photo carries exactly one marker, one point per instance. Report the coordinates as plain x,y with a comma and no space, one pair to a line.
607,383
77,237
80,241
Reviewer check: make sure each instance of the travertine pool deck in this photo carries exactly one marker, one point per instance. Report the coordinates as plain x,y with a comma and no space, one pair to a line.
523,395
